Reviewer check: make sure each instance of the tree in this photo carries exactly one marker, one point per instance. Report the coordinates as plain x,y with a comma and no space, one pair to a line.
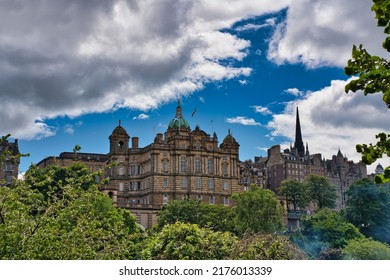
368,208
258,210
329,227
183,241
75,221
366,249
266,247
215,217
373,77
322,193
296,193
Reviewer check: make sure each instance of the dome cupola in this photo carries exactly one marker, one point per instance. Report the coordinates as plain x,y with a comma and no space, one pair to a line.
178,122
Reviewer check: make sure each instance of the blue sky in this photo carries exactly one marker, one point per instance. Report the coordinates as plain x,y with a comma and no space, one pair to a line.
71,71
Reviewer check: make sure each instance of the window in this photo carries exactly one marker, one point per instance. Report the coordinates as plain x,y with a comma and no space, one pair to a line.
165,154
183,164
211,184
121,186
165,166
211,199
8,166
121,170
226,201
210,166
165,182
199,183
225,186
134,169
165,199
184,183
197,165
225,169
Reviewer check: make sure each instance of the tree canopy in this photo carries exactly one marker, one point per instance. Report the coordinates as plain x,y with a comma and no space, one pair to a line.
258,210
321,191
184,241
366,249
296,193
215,217
368,208
72,220
373,76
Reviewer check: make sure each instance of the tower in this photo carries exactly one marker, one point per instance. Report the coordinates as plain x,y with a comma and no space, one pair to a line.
298,144
119,140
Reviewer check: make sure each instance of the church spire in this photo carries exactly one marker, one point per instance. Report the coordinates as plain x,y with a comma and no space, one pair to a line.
298,144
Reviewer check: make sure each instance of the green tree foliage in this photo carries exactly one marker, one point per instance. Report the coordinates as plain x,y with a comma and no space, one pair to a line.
258,210
266,247
296,193
373,77
184,241
329,228
368,208
321,191
366,249
193,211
75,221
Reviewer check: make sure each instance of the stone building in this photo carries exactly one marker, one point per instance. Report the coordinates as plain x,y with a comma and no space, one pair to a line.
342,173
294,163
181,163
297,163
10,160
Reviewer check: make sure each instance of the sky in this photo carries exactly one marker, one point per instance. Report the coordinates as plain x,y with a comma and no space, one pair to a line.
70,70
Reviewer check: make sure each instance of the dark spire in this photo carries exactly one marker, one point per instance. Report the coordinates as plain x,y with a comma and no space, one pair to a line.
298,144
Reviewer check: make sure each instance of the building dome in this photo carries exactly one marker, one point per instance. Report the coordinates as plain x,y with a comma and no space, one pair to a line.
119,130
229,140
379,169
179,122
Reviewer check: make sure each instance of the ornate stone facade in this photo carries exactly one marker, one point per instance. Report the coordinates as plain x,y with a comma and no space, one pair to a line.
181,163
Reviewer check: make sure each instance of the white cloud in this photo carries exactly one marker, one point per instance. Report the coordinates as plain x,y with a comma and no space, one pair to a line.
294,91
69,129
322,32
330,119
141,117
243,121
201,99
262,110
135,54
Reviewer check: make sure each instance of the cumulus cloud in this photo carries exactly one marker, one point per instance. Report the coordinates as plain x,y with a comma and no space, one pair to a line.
294,91
141,117
331,119
253,27
262,110
68,58
322,32
243,121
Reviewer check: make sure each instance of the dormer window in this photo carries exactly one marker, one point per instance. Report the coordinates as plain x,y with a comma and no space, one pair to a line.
121,144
